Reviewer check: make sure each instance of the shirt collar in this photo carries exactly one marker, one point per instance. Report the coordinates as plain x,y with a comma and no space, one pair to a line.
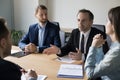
86,33
42,26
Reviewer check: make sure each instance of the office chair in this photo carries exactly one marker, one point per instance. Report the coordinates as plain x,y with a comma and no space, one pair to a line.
62,34
100,27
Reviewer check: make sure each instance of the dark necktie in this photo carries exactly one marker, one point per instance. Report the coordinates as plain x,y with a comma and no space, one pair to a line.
82,44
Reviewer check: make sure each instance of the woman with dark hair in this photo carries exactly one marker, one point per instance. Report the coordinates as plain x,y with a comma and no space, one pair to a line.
105,66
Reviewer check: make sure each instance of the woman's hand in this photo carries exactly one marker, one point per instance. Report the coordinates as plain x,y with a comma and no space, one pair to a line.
98,40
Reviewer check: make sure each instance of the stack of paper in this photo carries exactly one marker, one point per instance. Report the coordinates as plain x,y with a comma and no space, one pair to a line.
70,71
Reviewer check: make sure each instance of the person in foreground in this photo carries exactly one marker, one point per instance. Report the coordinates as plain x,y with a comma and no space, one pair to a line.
9,70
105,66
41,34
74,48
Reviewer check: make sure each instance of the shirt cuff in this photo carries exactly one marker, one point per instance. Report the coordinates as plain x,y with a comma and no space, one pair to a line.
37,48
59,52
32,78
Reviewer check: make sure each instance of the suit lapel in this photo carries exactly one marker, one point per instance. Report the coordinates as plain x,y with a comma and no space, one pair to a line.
45,33
78,39
75,38
36,35
89,41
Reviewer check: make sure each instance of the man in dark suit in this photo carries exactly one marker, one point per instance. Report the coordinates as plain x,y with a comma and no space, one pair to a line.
41,34
74,46
9,70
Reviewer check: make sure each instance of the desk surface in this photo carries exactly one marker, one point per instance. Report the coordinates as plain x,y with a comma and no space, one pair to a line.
42,64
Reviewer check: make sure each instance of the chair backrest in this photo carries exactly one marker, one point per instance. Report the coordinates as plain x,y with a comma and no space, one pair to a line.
62,37
61,33
100,27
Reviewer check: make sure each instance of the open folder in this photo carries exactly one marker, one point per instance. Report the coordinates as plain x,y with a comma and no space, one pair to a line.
70,71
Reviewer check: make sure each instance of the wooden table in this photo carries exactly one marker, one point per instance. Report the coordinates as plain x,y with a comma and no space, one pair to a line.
42,64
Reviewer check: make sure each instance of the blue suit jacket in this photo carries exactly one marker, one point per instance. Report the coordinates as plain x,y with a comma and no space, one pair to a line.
51,36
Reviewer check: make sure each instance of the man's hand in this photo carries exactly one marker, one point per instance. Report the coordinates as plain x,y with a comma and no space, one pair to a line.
51,50
30,48
75,55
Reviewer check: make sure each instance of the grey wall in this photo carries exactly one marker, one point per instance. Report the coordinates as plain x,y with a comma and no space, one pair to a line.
64,11
24,14
6,11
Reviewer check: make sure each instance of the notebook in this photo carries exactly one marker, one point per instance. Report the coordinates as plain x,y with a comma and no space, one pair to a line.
70,71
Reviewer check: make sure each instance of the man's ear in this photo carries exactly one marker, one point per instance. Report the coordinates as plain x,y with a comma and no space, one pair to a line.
3,43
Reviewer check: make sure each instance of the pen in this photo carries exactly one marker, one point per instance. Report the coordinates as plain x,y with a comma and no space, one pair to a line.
59,58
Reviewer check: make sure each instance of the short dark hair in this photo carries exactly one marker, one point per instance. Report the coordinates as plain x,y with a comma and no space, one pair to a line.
114,18
91,16
3,29
43,7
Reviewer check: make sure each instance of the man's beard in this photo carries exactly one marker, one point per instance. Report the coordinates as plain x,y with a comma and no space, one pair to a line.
43,21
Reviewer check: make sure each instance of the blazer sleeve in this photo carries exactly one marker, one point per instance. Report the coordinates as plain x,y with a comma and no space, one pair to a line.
24,41
69,46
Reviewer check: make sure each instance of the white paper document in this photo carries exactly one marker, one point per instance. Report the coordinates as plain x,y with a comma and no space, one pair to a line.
70,71
40,77
65,59
18,54
15,51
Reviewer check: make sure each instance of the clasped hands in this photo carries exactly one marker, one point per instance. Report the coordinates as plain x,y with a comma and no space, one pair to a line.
30,48
98,40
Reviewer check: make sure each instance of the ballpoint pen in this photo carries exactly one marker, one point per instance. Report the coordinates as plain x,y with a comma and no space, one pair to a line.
59,58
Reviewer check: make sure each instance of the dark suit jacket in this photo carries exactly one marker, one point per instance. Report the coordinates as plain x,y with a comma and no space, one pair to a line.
9,71
51,36
73,42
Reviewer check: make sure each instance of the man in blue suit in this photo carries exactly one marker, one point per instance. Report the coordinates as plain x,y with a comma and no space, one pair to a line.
41,34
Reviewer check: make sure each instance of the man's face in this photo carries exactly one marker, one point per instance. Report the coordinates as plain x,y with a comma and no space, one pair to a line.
84,23
41,15
7,48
